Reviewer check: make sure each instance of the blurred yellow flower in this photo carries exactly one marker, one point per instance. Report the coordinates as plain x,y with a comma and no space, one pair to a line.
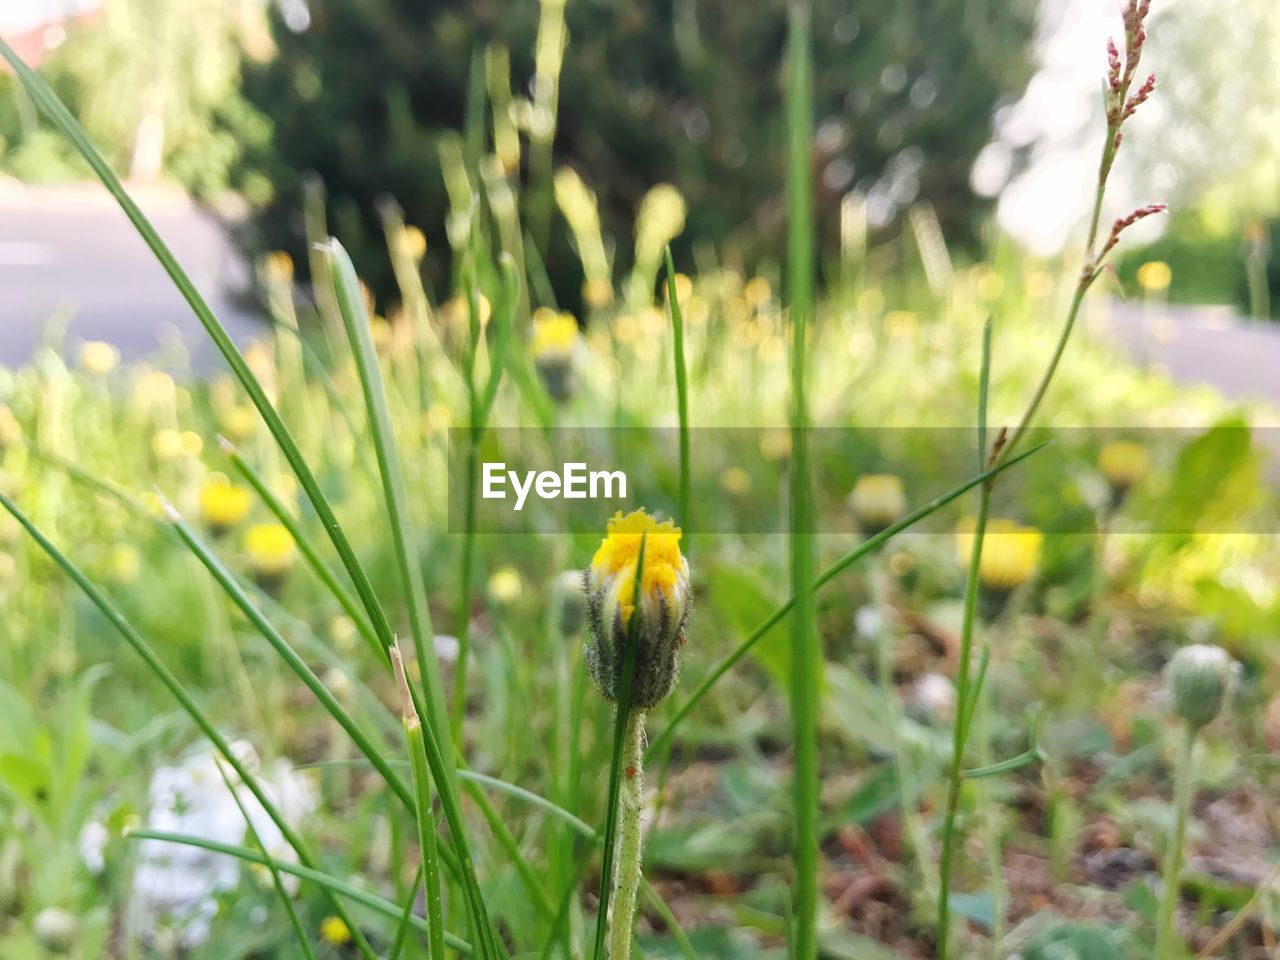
1123,463
238,422
1154,276
757,292
735,481
99,358
10,429
223,504
684,288
597,292
1039,284
1010,552
901,323
270,548
334,931
192,444
279,265
415,243
989,284
125,564
166,444
775,443
878,500
554,334
505,586
871,301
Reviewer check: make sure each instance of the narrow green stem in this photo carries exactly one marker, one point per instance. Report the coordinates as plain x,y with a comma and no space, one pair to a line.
1166,931
806,656
422,810
631,803
682,389
462,612
960,729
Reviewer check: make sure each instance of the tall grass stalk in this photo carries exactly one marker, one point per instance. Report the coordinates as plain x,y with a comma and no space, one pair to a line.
806,650
1120,105
480,400
432,715
355,318
49,104
423,809
682,392
966,699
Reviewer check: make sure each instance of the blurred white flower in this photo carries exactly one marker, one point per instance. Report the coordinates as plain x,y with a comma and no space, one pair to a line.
177,885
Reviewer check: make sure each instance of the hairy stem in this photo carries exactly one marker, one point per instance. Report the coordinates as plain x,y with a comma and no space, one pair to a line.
627,876
1166,934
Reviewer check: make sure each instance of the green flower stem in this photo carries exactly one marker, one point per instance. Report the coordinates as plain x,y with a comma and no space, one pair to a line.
1166,934
806,645
627,876
960,729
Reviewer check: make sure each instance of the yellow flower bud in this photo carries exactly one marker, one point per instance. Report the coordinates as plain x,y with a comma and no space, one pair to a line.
878,500
664,607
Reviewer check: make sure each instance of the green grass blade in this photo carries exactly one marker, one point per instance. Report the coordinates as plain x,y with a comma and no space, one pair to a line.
984,386
310,555
422,809
432,714
682,391
356,318
49,104
402,929
274,868
806,648
240,597
179,692
542,803
966,693
615,763
331,884
868,546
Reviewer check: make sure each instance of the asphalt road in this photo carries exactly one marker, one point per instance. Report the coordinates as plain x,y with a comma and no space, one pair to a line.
69,259
1206,345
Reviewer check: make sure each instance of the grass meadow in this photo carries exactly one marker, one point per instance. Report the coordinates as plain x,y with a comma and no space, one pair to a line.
946,631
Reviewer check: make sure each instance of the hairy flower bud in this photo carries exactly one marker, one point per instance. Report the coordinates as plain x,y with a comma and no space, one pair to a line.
570,601
1198,678
555,341
609,584
56,930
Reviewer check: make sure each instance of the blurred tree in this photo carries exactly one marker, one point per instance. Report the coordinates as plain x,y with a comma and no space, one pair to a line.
685,91
156,85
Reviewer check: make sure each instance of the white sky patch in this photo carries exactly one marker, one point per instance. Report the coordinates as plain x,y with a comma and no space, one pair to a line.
19,15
